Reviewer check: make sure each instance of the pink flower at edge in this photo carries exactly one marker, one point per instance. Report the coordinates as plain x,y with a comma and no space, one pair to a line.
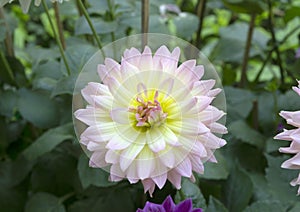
292,118
150,119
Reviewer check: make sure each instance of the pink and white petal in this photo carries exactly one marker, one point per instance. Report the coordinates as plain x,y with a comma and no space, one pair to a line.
217,128
112,156
149,185
116,174
97,159
160,180
104,102
94,89
121,116
113,68
99,133
128,70
117,142
132,56
174,178
129,154
203,102
214,92
285,135
185,72
160,54
197,164
155,140
146,61
167,157
169,136
211,141
95,146
202,87
184,168
92,116
293,118
145,164
103,73
210,114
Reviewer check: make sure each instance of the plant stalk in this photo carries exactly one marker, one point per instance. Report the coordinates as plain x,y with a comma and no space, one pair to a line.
59,25
88,19
200,13
145,22
8,38
56,37
244,79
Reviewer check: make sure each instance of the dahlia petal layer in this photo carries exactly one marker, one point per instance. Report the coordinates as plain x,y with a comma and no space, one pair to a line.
151,120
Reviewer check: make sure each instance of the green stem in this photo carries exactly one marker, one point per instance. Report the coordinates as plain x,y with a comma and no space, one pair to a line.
244,79
59,25
65,197
145,22
200,14
182,195
56,37
7,67
87,17
276,49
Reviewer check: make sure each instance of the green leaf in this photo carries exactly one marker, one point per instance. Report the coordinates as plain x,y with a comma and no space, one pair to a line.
273,145
186,25
291,13
8,102
44,202
65,86
246,6
77,59
216,171
289,101
240,130
296,207
37,108
50,69
50,139
265,206
215,205
239,101
101,26
190,190
237,190
92,176
279,180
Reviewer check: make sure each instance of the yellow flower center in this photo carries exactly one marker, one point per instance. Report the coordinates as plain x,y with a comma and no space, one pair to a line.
148,113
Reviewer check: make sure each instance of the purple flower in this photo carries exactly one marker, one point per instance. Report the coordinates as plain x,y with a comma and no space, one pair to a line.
297,55
169,206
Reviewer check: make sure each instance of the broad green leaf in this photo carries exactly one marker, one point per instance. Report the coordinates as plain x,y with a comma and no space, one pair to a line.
92,176
112,200
65,86
237,190
246,6
279,180
77,59
242,131
215,205
289,101
291,13
50,69
56,172
239,102
190,190
273,145
296,207
37,108
261,190
101,26
48,141
186,25
265,206
44,202
45,83
8,102
216,171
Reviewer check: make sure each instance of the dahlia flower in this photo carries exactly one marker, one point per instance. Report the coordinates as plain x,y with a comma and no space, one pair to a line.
151,120
169,206
292,118
25,4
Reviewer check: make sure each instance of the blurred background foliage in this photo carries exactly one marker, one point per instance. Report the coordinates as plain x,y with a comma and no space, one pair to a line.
253,44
